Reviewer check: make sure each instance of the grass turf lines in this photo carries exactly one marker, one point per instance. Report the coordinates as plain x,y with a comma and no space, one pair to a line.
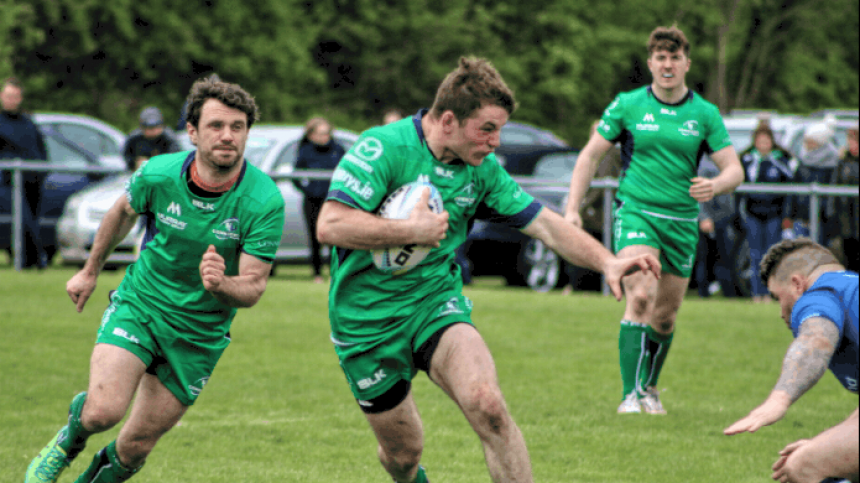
278,409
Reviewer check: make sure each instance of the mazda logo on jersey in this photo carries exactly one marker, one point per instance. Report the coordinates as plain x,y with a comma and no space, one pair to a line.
227,230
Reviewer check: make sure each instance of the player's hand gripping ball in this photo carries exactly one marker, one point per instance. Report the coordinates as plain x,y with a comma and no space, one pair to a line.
398,206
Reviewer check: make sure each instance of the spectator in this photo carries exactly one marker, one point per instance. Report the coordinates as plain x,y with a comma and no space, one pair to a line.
818,158
150,140
717,238
21,139
592,209
764,214
843,210
392,115
318,151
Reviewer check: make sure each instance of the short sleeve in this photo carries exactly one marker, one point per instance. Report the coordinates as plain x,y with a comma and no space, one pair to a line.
264,235
612,122
138,190
718,136
505,201
818,303
361,179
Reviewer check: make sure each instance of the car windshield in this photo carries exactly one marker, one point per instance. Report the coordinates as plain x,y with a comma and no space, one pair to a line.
256,149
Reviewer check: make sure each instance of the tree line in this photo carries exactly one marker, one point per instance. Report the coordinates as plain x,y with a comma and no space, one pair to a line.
351,59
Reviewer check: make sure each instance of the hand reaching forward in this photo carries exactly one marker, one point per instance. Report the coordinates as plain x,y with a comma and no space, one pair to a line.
770,411
212,269
621,267
428,228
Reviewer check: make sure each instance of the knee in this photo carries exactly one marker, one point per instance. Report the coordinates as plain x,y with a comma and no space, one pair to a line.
402,459
664,323
639,299
486,409
97,417
132,452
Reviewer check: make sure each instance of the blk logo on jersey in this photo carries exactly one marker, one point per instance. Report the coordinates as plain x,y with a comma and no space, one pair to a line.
444,173
227,230
203,205
372,381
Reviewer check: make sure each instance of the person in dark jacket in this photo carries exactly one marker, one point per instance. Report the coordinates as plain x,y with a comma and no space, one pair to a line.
20,138
764,213
846,210
317,151
818,158
150,140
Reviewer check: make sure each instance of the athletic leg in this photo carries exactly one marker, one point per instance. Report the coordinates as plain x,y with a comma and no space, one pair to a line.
156,410
670,294
114,375
640,291
401,439
463,367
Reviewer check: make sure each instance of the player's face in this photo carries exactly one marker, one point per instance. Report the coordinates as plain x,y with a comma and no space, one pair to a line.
220,136
479,135
786,293
668,69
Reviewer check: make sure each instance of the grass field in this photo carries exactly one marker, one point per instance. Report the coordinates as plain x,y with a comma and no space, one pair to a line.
278,409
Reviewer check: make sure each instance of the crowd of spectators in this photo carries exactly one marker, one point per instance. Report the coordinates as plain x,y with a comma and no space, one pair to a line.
763,219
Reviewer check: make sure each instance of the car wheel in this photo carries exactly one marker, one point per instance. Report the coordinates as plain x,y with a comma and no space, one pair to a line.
538,266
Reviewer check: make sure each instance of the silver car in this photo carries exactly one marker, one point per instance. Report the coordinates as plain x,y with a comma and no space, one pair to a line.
272,148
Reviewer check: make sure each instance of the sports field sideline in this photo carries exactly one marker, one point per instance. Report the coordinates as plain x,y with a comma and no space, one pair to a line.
278,409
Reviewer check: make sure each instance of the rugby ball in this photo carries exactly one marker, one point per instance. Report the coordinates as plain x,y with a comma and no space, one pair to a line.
397,206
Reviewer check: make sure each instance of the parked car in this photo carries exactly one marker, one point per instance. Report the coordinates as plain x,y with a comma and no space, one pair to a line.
272,148
497,250
72,141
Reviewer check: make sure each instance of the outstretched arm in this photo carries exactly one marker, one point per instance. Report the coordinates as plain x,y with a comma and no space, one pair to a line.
804,364
580,248
116,224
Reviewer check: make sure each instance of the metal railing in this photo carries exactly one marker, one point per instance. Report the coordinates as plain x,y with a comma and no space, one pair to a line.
815,192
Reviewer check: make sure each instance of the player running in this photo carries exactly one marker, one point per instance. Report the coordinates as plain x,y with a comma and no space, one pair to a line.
663,130
213,223
385,328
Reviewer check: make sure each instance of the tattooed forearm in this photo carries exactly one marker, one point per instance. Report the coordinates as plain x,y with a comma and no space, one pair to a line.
808,357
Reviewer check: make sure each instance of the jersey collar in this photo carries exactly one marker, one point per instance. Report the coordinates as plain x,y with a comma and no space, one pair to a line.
684,99
416,120
190,158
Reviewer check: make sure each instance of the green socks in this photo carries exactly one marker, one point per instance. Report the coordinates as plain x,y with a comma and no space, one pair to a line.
633,353
421,477
106,468
76,436
642,352
658,345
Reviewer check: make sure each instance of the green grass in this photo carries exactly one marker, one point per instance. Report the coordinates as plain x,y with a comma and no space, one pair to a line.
278,409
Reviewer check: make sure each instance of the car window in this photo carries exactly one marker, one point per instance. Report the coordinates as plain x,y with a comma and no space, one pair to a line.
89,139
63,155
557,166
513,135
256,149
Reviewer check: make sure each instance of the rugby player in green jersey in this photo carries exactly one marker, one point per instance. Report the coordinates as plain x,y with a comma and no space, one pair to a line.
663,130
213,223
387,327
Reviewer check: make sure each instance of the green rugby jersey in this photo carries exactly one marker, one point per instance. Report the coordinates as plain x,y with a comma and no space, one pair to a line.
661,145
383,159
180,226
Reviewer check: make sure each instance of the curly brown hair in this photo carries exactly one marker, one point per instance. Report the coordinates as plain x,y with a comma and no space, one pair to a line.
669,39
792,256
231,95
474,83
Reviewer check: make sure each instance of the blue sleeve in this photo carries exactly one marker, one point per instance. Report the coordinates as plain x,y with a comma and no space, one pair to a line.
818,303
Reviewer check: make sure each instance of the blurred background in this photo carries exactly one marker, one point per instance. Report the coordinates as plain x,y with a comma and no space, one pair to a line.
350,60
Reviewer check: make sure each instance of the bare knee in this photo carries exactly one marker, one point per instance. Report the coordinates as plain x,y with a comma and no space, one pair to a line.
664,321
402,460
97,416
486,410
132,451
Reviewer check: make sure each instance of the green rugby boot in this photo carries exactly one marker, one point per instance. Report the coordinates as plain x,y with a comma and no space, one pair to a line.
51,461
